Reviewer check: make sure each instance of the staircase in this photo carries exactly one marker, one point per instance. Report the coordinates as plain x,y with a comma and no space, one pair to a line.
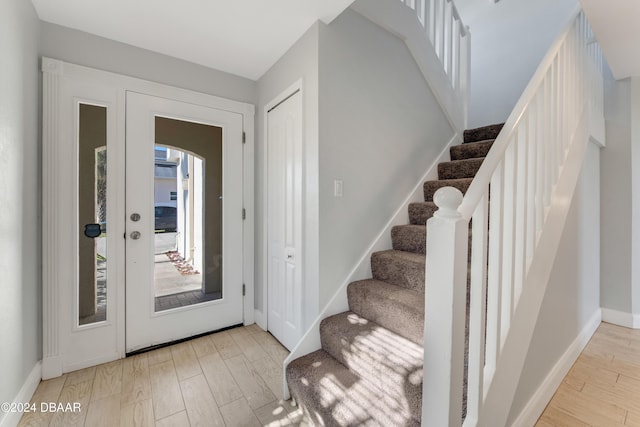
369,369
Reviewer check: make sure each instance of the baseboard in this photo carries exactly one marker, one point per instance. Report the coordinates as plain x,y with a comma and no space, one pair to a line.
260,318
11,419
543,395
621,318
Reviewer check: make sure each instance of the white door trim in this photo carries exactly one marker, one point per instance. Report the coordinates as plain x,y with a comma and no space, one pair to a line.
261,316
55,72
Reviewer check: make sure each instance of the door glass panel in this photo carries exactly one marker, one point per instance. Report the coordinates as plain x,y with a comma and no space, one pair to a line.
92,214
188,213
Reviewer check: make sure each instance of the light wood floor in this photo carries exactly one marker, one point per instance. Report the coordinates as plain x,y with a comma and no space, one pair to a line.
603,386
232,378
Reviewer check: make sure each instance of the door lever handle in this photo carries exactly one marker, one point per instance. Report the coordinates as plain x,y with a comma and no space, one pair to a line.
92,230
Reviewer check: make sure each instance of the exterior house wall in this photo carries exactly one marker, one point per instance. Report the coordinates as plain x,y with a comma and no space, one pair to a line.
20,195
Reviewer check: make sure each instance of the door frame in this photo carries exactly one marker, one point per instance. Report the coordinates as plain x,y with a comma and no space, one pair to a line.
57,73
262,314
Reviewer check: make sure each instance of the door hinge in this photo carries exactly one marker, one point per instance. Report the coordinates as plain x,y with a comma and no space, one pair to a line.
244,289
244,213
244,137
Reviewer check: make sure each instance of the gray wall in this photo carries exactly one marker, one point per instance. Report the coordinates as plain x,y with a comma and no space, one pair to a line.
508,41
616,194
93,51
20,260
380,129
299,62
573,293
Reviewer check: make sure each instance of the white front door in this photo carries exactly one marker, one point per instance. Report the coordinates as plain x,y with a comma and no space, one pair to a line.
143,234
284,164
184,235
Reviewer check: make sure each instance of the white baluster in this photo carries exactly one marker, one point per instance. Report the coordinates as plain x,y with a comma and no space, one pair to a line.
508,224
448,37
532,182
439,29
494,279
477,309
520,209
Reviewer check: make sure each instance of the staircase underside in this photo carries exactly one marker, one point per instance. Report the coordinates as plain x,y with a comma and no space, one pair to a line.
369,370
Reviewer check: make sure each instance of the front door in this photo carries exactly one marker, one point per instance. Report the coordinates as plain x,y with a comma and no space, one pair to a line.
143,234
183,220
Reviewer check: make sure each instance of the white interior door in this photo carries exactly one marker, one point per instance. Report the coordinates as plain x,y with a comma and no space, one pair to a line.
184,235
284,134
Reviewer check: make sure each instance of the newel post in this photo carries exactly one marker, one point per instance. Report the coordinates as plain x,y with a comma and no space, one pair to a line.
445,307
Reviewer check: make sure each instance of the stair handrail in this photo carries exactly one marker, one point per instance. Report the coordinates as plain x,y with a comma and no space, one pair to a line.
520,175
450,39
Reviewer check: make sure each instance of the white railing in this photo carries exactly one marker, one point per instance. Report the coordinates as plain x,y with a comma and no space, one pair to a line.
450,39
513,206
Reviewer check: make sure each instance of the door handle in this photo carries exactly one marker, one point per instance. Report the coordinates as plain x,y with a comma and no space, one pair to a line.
135,235
92,230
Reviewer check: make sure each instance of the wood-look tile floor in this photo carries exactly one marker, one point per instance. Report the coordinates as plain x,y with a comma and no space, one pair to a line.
232,378
603,387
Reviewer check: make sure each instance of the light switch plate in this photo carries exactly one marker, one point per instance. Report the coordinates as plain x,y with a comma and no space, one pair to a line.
338,188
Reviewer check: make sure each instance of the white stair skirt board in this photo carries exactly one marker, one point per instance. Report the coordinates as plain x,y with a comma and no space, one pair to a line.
545,392
621,318
11,419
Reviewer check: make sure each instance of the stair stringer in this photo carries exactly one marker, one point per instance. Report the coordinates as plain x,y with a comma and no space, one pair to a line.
500,393
338,303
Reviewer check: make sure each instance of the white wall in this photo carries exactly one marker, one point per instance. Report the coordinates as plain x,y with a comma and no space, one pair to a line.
635,201
508,41
616,207
300,62
93,51
380,129
20,244
573,293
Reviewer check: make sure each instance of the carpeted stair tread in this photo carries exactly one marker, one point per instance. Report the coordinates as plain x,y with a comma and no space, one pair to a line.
409,238
388,361
397,309
404,269
471,150
482,133
369,371
419,213
332,395
456,169
430,187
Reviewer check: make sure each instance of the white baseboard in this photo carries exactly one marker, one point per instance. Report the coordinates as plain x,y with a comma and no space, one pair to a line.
11,419
260,318
543,395
621,318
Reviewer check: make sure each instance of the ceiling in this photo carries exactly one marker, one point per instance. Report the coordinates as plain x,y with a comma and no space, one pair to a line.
616,24
240,37
247,37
